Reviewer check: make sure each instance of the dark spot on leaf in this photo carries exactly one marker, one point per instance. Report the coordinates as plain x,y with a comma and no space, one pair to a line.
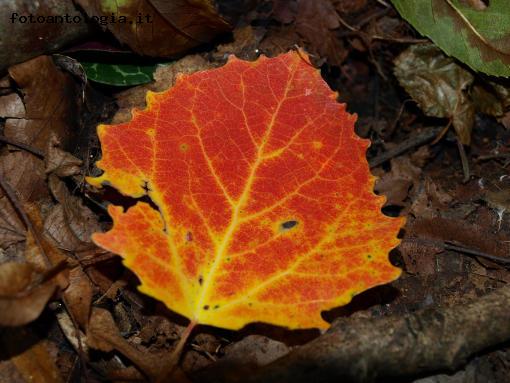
216,307
184,147
369,257
200,280
206,307
287,225
189,236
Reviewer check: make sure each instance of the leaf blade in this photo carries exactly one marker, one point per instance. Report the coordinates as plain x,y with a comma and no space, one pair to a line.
266,204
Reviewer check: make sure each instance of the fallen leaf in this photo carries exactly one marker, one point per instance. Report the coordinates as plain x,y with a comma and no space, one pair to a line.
316,21
349,6
439,85
23,293
25,358
103,334
477,37
69,222
266,204
45,111
256,350
396,184
173,26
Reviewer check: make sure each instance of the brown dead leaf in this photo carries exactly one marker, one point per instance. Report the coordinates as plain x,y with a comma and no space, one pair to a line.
175,26
244,46
316,22
23,293
78,296
284,11
103,334
69,223
24,358
439,85
255,350
49,98
349,6
397,183
430,200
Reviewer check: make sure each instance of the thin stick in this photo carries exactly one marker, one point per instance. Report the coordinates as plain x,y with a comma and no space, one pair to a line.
23,146
464,160
418,140
175,357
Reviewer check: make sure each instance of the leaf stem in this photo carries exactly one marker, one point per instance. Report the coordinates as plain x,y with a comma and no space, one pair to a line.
177,353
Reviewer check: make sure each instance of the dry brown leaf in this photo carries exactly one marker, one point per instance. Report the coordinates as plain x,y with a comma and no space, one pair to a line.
50,107
256,350
103,334
439,85
23,293
78,296
349,6
69,223
316,22
24,358
397,183
175,26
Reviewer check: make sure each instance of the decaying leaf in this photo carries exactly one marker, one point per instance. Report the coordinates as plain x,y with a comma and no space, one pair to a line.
42,111
159,28
26,358
438,85
316,23
266,203
103,334
479,37
23,293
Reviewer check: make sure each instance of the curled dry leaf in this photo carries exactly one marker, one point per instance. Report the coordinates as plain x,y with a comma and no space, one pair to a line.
266,204
174,26
439,85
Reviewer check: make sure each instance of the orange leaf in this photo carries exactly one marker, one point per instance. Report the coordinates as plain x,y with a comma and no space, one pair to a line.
266,209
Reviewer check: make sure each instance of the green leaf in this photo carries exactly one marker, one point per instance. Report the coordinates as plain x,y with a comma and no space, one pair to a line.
118,74
479,38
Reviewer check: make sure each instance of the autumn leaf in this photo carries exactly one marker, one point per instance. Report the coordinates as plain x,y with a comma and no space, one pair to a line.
265,204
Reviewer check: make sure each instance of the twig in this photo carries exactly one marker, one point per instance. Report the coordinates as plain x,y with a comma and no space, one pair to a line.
13,198
418,140
476,253
23,146
464,160
452,246
433,339
166,376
